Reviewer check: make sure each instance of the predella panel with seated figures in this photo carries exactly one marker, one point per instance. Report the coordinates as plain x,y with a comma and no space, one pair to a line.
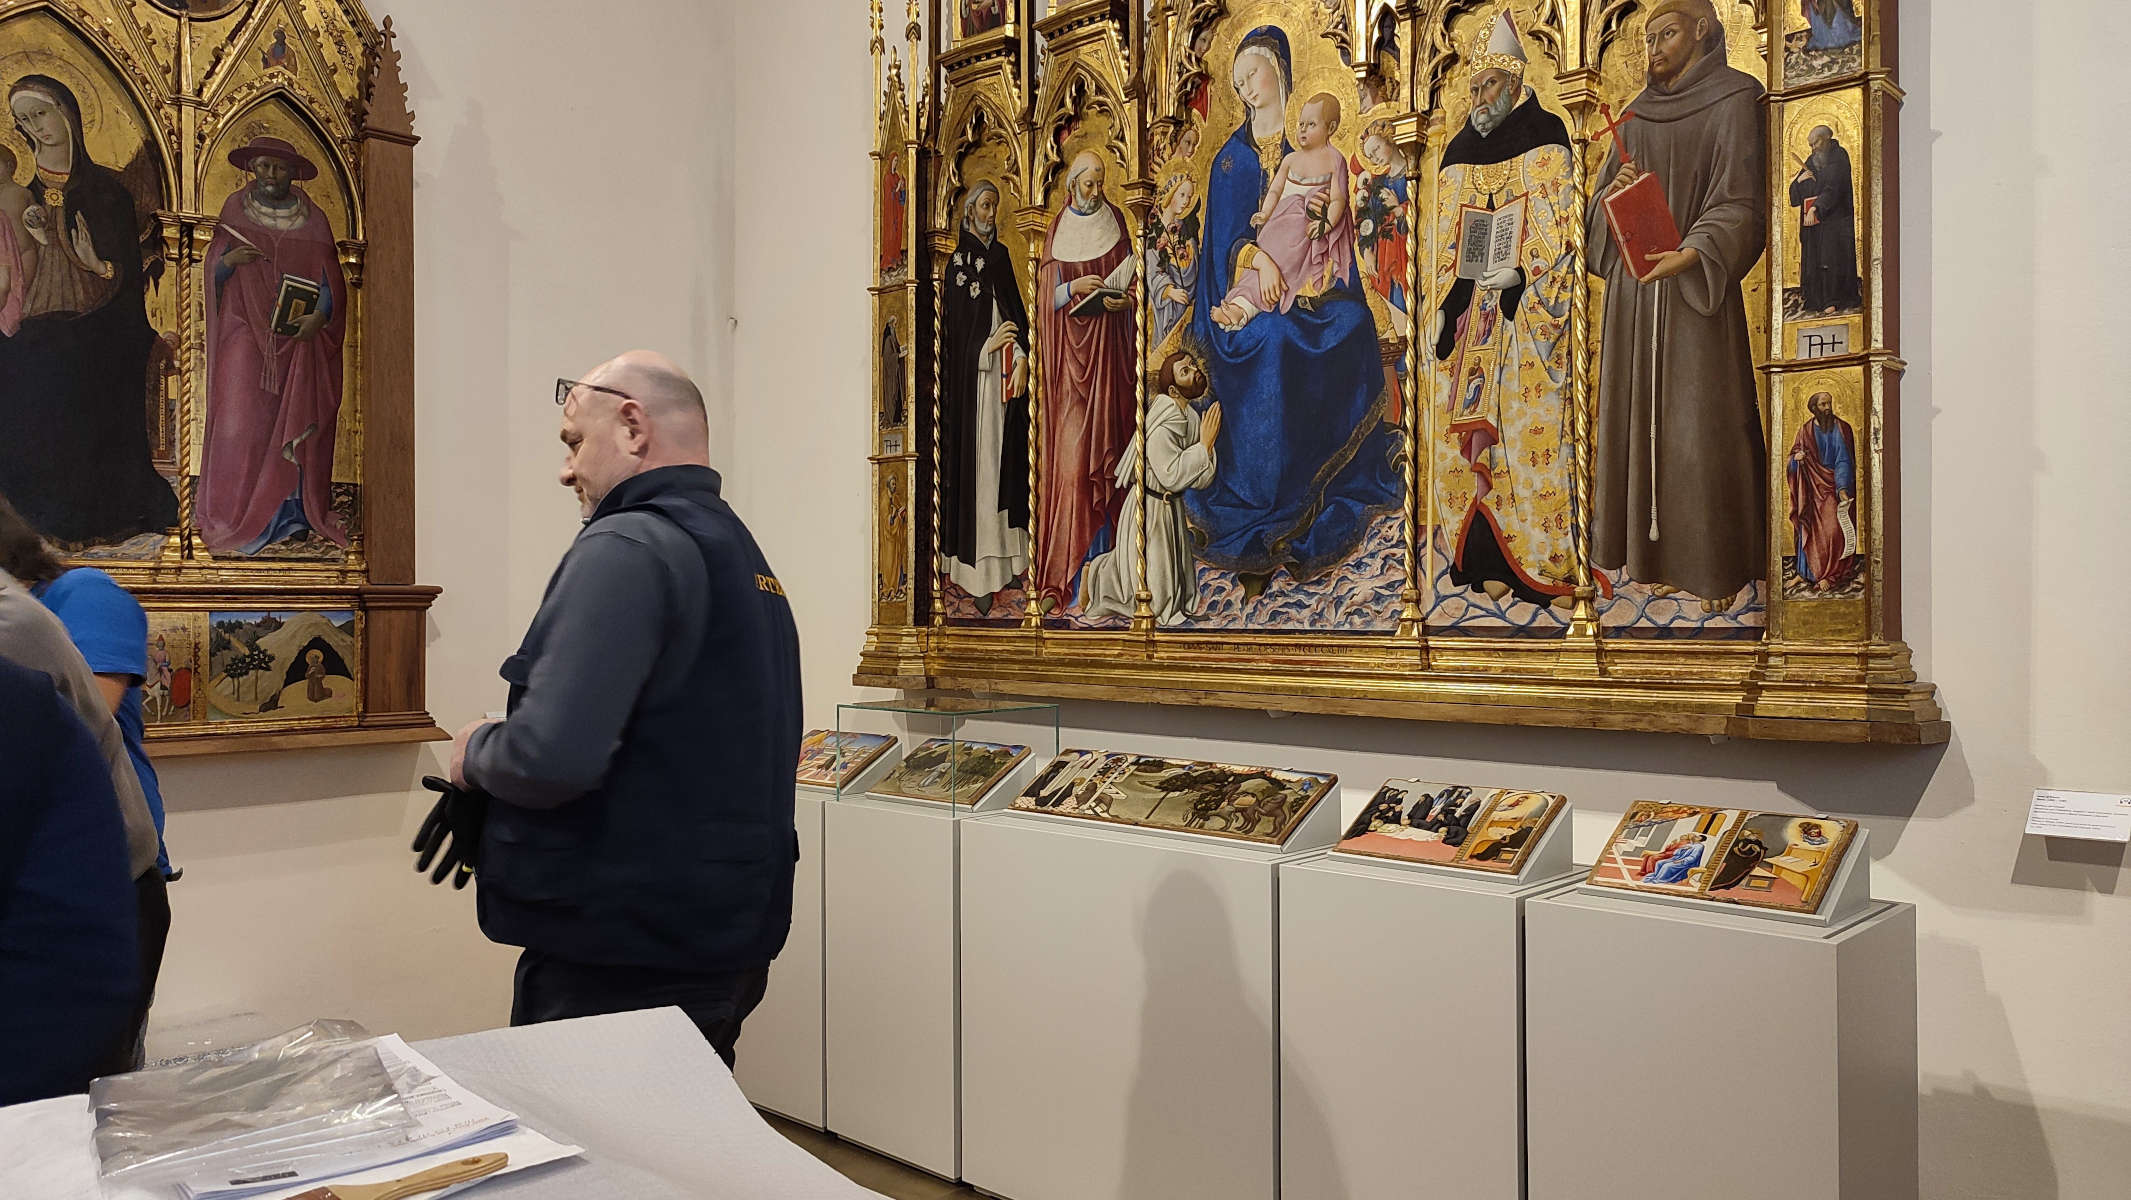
1516,361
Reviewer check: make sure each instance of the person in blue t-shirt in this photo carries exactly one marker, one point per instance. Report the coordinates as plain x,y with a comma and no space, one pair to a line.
68,955
109,628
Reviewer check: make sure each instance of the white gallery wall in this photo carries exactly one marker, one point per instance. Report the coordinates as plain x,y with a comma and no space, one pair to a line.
693,177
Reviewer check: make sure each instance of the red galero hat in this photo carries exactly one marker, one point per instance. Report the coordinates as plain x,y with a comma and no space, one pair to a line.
269,147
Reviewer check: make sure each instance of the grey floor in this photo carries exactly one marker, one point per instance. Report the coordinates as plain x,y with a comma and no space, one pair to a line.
867,1169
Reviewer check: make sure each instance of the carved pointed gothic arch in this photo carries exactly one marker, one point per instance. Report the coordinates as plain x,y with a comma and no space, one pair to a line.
1079,93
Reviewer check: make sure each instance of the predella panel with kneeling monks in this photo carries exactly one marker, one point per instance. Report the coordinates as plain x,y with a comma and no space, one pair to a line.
1516,361
205,351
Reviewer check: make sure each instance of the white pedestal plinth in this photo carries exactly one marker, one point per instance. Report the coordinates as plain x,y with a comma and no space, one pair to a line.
1401,1011
1674,1055
1117,1013
888,917
779,1059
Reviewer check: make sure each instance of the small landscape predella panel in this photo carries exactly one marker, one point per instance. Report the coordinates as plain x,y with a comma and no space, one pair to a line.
1779,861
951,771
1254,804
204,350
1427,360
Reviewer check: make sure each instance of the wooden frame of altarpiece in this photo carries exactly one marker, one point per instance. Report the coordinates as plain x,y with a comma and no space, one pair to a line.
263,636
1412,618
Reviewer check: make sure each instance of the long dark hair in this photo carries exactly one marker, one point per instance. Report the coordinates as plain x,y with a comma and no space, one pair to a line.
23,552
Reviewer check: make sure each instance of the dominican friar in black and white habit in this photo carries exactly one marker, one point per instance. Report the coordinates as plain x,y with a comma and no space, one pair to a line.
1681,495
984,420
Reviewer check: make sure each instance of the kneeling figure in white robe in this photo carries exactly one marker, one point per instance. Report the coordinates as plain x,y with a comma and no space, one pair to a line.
1180,457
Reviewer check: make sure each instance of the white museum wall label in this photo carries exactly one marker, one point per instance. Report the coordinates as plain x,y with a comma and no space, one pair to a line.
2094,816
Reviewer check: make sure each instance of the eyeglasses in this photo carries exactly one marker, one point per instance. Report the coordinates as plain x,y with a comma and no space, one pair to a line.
563,388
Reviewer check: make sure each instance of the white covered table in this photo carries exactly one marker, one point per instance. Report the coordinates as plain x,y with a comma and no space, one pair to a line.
658,1115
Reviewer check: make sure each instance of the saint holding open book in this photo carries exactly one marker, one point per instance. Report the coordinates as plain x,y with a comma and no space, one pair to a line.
1680,498
1505,204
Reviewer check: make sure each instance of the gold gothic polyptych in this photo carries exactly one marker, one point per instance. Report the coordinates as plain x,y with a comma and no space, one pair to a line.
1523,361
192,359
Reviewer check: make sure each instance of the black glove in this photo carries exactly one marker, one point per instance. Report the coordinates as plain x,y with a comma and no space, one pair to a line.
456,820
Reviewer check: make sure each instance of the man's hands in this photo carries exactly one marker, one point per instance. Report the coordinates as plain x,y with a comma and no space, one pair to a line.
459,742
1210,426
308,328
1671,263
1000,340
1084,287
1502,280
1117,303
239,255
451,834
1627,174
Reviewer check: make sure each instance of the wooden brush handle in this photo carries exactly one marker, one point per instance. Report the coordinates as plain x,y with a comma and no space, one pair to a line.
427,1181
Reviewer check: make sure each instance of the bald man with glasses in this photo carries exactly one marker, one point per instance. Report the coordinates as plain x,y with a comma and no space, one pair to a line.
638,838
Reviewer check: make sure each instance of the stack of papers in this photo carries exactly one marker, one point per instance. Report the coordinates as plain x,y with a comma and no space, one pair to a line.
447,1119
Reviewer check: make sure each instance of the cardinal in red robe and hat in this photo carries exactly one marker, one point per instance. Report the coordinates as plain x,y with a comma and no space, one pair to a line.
277,314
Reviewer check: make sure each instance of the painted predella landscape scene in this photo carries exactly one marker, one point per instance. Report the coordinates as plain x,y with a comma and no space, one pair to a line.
1761,860
951,771
1257,804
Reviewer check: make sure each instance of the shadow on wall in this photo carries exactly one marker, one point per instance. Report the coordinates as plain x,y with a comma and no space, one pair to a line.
1195,996
463,353
1996,1141
256,780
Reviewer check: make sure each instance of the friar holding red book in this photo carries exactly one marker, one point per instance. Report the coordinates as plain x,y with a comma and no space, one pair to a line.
1680,499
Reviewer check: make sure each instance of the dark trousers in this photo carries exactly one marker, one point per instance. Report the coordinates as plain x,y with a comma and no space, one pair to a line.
151,895
551,989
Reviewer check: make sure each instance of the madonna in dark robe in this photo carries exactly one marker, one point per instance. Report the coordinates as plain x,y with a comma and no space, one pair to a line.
74,452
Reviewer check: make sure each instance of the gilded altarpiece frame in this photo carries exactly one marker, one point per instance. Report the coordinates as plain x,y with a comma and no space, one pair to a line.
1371,575
262,151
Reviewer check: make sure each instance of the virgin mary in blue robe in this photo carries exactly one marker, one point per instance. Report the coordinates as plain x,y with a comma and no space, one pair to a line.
1304,453
1679,864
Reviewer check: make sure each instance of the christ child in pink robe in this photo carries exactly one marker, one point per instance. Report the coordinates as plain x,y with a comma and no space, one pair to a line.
18,252
1305,226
